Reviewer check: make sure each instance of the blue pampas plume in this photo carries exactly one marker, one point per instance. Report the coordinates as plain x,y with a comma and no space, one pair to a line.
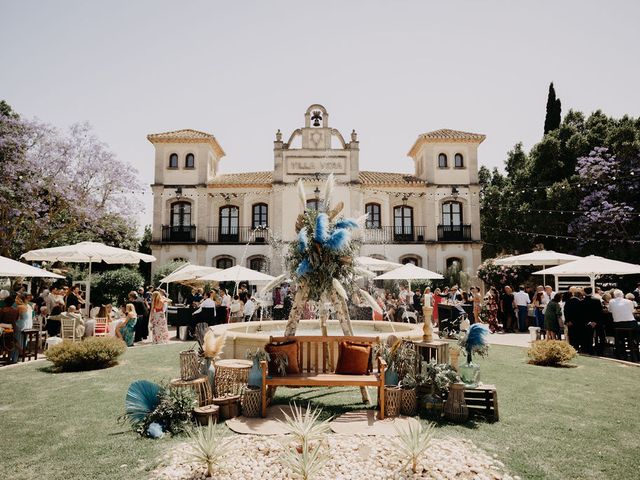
338,240
155,430
346,223
476,337
303,268
322,228
302,240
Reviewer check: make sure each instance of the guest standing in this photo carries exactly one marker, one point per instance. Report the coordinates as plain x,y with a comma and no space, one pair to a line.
159,329
23,322
552,315
9,315
142,325
507,304
573,320
522,304
476,299
126,330
492,307
594,322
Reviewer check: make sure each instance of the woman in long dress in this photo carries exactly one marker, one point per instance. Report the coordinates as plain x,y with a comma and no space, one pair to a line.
492,307
127,329
159,329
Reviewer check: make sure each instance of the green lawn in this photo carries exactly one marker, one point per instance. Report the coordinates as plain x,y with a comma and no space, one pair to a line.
564,423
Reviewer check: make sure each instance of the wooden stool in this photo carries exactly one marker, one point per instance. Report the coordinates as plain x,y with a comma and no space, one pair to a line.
483,400
229,406
231,376
31,348
199,385
206,414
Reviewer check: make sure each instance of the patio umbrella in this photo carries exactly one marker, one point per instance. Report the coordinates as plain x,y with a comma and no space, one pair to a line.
237,274
410,272
188,272
377,265
592,267
539,257
87,252
12,268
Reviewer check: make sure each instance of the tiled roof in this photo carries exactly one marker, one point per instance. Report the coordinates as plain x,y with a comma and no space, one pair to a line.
388,178
244,178
186,135
445,135
455,135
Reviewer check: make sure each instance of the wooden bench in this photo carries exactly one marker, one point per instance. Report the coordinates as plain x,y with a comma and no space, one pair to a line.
317,359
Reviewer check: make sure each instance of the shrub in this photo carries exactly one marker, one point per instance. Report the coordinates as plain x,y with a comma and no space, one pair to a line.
550,352
91,354
113,286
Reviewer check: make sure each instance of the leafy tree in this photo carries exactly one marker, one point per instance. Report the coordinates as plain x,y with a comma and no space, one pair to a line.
113,286
554,111
145,247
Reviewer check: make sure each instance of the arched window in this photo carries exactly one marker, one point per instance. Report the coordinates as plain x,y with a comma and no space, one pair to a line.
190,161
224,262
373,215
403,223
442,160
258,264
180,214
260,215
458,161
452,213
410,259
173,160
229,224
313,204
454,262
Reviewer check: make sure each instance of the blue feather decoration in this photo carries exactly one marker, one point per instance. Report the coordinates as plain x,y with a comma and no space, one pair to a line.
303,242
347,223
322,228
338,240
303,268
155,430
476,337
142,398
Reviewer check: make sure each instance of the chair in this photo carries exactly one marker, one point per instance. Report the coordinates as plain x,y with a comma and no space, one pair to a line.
626,344
68,329
32,343
38,324
101,327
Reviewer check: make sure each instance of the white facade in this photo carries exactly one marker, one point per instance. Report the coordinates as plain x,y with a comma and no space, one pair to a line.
430,217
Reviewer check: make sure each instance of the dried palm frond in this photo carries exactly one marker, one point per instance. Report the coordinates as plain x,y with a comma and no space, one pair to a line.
213,345
371,301
335,211
412,442
201,330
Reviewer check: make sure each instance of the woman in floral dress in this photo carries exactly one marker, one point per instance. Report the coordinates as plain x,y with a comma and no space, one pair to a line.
159,329
492,307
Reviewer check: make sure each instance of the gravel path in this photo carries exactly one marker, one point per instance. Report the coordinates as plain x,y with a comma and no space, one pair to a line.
352,457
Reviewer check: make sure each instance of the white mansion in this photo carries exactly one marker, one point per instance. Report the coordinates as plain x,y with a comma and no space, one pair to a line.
430,217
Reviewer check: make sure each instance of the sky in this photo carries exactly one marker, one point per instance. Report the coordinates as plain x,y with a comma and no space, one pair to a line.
243,69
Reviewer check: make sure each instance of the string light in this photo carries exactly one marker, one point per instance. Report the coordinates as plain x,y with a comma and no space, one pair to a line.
561,237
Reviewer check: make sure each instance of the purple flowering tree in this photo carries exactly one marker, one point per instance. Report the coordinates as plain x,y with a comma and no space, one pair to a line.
58,187
610,198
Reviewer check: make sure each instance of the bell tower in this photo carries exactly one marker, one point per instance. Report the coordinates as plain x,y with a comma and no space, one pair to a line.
316,154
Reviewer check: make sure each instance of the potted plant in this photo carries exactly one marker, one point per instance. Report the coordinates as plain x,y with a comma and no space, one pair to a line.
384,351
255,373
437,377
409,402
473,341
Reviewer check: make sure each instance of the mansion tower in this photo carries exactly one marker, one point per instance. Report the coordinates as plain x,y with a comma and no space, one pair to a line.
430,217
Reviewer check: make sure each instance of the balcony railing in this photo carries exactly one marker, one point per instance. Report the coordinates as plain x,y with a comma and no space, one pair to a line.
179,233
395,235
454,233
237,235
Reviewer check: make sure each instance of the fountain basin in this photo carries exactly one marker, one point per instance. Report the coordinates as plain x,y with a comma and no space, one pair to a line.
242,337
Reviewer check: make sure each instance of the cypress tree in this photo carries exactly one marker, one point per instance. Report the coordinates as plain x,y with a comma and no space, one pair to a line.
554,111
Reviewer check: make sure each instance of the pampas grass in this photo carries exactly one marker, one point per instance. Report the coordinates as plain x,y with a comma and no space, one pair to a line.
213,345
339,239
322,228
301,195
273,284
347,223
371,301
337,286
328,191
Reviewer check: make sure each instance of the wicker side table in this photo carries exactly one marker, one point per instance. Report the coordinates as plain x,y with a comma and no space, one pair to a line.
231,376
200,385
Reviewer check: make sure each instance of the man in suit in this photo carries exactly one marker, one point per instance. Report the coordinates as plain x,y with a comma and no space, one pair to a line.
573,320
594,323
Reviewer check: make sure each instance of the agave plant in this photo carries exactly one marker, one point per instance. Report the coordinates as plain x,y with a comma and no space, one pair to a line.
305,426
207,446
306,463
412,442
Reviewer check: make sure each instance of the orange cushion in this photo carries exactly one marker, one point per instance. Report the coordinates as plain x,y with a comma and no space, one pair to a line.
353,358
290,349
